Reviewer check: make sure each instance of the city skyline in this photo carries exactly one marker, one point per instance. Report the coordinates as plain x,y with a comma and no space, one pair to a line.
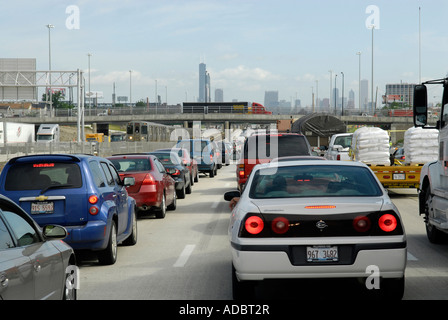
249,47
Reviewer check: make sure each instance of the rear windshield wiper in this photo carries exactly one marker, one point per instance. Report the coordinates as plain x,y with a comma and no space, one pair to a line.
56,186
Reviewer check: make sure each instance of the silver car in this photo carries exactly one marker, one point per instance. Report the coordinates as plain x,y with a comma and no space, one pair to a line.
34,262
316,219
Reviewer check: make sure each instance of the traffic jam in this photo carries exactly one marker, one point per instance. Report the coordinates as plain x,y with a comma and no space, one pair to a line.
295,214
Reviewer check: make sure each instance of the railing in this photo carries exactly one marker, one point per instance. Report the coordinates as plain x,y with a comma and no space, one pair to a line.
103,149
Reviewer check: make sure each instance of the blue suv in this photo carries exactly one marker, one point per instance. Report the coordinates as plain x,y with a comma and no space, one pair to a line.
203,151
83,193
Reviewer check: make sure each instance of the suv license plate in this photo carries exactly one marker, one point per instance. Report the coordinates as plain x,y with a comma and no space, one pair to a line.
45,207
322,254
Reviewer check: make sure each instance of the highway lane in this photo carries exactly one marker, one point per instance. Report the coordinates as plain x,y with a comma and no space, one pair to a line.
426,270
186,256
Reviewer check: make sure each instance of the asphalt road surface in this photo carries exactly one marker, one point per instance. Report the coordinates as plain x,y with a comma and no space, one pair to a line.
186,256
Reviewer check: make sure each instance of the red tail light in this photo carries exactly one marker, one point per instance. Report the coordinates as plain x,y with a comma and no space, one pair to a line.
254,225
211,158
280,225
241,173
93,210
361,223
387,222
338,157
148,180
93,199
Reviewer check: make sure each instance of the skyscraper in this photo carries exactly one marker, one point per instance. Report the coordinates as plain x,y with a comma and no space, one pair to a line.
364,94
204,83
219,95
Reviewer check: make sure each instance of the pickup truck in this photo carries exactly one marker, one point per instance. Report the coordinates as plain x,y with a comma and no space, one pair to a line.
339,146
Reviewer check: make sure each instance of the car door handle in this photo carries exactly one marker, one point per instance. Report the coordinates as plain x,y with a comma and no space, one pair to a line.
3,281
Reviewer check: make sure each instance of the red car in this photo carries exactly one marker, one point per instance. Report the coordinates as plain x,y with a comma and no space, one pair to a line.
154,189
188,162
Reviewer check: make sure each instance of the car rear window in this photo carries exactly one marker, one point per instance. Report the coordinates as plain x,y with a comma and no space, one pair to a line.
167,158
274,146
37,176
198,146
131,165
313,181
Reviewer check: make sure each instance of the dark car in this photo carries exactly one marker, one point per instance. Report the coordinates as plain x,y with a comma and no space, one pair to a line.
34,262
83,193
174,166
188,162
153,189
202,150
226,152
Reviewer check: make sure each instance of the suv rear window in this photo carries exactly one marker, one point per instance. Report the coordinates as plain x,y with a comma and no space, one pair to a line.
37,176
269,147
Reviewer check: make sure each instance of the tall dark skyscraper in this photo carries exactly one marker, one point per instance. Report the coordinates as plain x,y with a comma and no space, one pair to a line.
204,83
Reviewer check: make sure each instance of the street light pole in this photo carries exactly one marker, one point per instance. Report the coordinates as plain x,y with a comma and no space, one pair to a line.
331,90
335,101
371,93
342,105
90,92
50,26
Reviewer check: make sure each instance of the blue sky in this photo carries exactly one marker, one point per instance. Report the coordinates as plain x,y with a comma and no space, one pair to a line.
249,46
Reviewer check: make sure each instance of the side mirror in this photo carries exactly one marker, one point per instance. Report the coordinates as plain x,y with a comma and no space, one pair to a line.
229,195
54,232
420,106
128,181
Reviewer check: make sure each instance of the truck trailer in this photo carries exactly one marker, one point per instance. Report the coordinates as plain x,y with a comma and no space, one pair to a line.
14,132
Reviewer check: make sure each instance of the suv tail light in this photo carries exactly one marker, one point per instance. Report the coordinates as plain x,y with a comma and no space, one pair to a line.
93,210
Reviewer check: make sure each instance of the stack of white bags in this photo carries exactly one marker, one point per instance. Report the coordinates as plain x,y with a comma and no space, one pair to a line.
421,145
370,145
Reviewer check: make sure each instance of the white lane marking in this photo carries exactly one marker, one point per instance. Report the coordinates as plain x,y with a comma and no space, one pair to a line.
411,257
183,258
215,204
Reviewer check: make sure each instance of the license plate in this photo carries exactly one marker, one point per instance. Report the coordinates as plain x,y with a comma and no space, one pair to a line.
42,207
399,176
322,253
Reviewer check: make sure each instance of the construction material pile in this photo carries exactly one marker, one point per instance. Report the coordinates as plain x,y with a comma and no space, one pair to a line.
421,145
370,145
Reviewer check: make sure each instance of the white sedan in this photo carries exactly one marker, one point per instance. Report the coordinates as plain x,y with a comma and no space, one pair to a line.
316,219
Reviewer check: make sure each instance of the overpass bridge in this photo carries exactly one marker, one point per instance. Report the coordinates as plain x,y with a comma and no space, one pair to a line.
212,118
397,125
